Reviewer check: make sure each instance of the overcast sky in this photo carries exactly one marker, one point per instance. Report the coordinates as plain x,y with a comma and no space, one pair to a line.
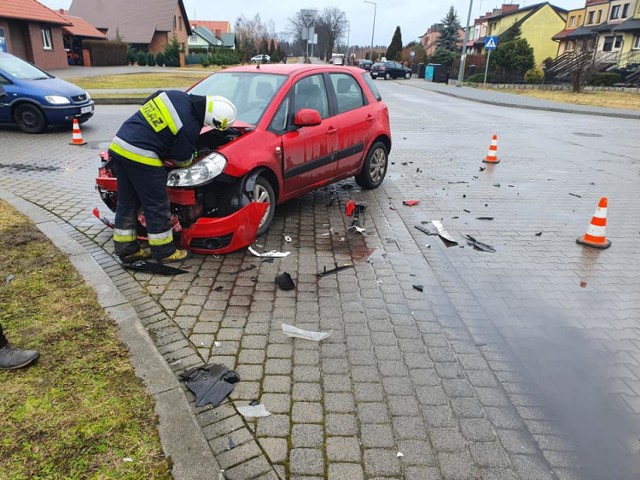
412,16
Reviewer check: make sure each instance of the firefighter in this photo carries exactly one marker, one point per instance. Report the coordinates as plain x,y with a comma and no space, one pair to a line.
165,128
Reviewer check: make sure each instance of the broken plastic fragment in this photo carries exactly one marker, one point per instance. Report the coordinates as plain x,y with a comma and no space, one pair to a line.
210,384
583,284
127,459
539,234
253,411
480,246
357,228
217,344
287,238
219,288
232,444
575,195
444,235
399,454
271,253
484,218
349,207
152,267
410,203
337,268
419,288
9,278
285,282
295,332
242,270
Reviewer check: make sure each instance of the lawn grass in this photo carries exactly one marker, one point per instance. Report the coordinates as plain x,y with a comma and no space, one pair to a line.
80,412
142,80
630,101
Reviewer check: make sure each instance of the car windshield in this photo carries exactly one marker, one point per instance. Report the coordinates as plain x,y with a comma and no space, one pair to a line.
250,92
21,70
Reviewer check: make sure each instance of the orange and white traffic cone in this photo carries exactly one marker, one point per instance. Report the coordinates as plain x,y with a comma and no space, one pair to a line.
492,154
77,135
595,236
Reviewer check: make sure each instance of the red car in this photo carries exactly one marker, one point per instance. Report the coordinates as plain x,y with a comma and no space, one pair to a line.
299,128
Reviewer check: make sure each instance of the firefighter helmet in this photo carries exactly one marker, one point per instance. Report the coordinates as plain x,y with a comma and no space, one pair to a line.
220,112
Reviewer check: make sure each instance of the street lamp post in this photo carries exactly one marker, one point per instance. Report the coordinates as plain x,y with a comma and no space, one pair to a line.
463,57
375,7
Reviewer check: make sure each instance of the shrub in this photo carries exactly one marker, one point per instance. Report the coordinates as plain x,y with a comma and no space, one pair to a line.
534,75
160,59
151,61
604,79
142,59
172,53
131,55
475,78
204,61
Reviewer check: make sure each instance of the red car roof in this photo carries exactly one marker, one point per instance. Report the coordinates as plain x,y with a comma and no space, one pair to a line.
288,68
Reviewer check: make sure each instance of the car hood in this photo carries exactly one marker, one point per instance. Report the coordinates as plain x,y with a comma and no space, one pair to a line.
50,86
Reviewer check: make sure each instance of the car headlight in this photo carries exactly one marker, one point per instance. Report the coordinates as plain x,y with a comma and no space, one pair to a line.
199,174
88,96
57,100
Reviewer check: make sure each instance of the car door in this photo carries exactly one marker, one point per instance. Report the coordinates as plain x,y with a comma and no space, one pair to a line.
309,153
4,100
354,121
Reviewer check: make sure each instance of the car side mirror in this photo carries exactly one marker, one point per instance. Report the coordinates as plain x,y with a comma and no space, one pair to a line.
3,93
307,117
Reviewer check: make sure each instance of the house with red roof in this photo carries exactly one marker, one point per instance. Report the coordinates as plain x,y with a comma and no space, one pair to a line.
31,31
73,35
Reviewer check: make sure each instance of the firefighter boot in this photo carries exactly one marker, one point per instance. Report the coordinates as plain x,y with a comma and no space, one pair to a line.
142,254
176,256
12,357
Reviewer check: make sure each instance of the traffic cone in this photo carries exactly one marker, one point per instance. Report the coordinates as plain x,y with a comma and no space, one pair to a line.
595,236
492,154
77,135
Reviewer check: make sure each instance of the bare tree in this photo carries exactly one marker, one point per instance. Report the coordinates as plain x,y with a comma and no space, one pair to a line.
331,25
583,65
252,35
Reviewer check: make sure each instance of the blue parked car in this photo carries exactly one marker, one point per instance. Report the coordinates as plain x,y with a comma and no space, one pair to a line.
34,99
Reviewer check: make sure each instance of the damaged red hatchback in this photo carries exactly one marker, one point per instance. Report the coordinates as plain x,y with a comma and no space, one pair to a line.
299,128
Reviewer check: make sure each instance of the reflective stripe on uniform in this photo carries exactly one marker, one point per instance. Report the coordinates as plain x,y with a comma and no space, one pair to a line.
169,112
157,239
131,152
153,115
124,235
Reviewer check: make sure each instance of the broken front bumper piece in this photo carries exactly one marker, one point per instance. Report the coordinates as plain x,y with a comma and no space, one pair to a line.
225,234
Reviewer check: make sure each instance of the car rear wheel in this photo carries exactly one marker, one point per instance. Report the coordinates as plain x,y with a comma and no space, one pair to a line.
263,193
407,75
29,118
375,167
387,76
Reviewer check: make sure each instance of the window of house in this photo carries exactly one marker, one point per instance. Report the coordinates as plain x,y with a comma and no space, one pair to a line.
47,44
608,44
599,16
579,19
618,42
636,42
615,12
569,47
179,23
572,21
193,38
175,22
590,18
625,10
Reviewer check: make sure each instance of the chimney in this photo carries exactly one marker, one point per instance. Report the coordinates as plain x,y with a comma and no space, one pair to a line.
509,7
218,33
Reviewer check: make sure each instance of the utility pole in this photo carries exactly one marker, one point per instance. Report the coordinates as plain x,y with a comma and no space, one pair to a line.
375,7
463,58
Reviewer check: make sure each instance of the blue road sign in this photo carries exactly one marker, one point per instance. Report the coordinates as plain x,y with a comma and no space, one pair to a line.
490,43
3,41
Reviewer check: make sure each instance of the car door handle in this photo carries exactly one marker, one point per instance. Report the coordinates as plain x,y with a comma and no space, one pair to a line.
331,130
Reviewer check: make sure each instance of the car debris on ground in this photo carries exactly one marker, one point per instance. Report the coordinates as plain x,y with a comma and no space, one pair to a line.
477,245
253,411
285,282
295,332
337,268
270,254
210,383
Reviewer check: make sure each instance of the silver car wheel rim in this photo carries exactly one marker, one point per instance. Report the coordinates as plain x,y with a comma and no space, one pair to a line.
378,165
261,195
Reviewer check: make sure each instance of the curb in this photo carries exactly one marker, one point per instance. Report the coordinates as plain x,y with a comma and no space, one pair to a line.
119,101
183,442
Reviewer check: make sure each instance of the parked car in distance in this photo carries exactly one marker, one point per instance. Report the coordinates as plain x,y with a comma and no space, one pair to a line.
389,70
299,127
36,99
262,58
366,64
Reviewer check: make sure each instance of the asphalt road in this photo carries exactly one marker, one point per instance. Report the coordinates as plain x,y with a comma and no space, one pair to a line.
523,363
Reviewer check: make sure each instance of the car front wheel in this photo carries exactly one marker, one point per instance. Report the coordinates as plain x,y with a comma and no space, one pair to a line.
407,75
375,167
29,118
387,76
263,193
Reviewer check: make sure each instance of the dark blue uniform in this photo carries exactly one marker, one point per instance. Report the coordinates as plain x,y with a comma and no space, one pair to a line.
166,127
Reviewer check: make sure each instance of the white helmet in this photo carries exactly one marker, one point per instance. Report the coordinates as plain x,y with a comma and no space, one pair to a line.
219,112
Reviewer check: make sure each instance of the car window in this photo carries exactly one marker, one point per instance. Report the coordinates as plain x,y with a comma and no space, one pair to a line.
4,81
348,92
310,93
279,121
371,84
20,69
251,93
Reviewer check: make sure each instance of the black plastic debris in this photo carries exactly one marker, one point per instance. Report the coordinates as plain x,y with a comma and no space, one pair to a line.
242,270
477,245
232,444
347,186
496,185
152,267
482,169
267,260
359,215
424,230
539,234
468,211
453,183
219,288
211,383
484,218
337,269
575,195
285,282
419,288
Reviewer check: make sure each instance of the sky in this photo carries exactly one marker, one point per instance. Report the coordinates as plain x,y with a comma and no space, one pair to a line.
413,17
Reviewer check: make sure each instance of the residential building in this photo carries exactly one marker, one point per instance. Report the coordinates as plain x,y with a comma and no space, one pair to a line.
147,25
203,39
31,31
610,37
630,31
430,39
73,35
538,24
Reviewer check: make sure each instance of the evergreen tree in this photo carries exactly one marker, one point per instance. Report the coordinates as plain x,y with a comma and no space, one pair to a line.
172,53
395,47
450,36
514,57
